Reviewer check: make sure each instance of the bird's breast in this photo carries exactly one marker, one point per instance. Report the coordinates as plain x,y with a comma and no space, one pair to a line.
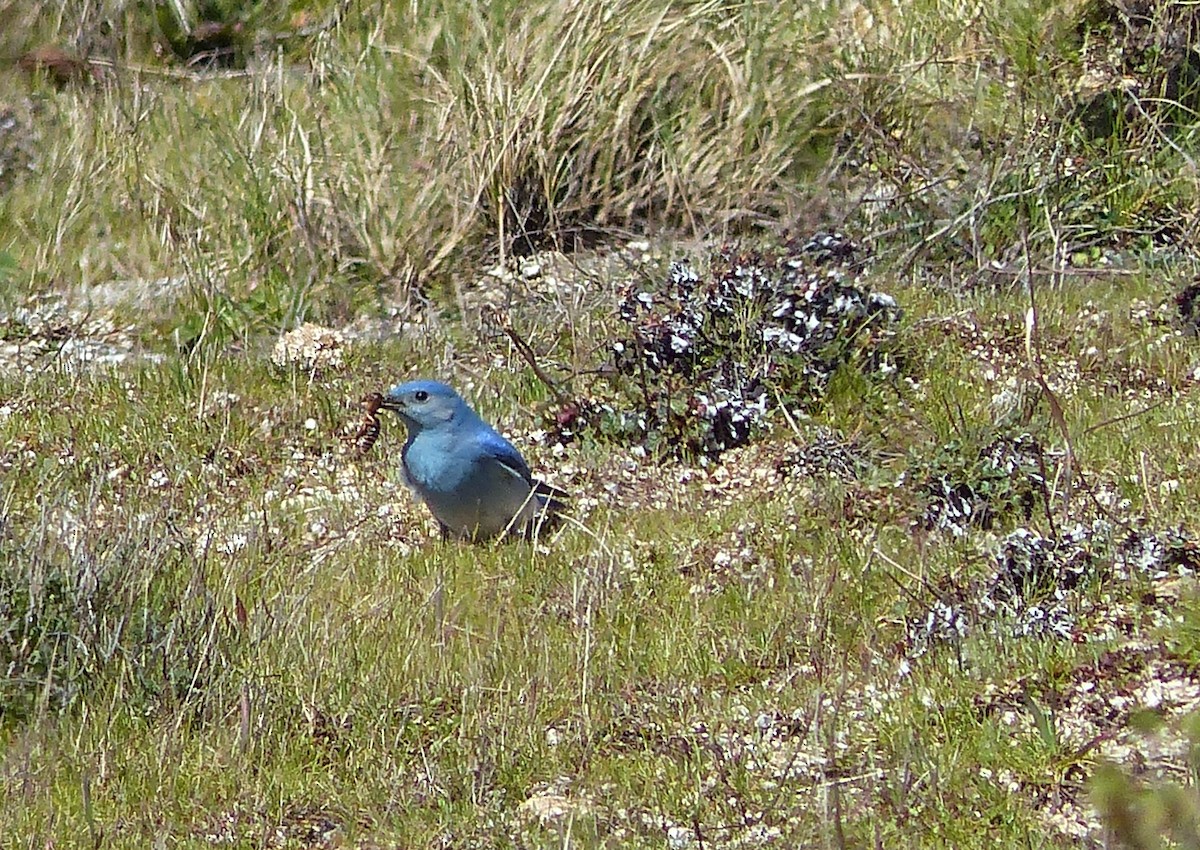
432,468
471,494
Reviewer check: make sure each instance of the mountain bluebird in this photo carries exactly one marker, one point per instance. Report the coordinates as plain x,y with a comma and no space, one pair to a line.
475,483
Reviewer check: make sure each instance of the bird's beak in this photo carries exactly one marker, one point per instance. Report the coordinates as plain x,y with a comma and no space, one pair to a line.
391,404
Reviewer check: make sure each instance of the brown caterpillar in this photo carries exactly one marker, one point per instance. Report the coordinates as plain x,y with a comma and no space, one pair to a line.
368,430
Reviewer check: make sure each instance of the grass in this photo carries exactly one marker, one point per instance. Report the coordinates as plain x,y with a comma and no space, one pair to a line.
219,625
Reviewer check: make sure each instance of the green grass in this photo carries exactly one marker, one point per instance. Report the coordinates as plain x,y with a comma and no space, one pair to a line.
218,626
405,688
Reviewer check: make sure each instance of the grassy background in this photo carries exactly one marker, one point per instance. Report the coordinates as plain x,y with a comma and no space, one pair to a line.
219,625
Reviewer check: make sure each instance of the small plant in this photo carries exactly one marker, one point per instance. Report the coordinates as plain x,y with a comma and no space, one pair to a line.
707,357
1039,584
964,489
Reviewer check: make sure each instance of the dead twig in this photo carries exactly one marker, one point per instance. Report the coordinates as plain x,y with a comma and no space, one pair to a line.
501,320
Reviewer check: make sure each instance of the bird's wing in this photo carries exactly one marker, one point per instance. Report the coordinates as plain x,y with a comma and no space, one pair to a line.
501,451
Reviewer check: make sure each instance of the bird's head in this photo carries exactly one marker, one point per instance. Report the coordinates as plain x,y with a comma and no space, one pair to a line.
424,404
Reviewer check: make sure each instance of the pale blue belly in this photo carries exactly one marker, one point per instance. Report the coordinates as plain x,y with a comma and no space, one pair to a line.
483,504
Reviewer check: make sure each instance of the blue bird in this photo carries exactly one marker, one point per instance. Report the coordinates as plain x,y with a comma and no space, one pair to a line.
474,482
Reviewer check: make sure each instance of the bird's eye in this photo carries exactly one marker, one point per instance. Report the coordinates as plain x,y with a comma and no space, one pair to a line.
421,395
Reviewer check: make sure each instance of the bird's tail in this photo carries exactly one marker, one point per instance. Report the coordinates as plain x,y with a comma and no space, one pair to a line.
553,503
551,496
